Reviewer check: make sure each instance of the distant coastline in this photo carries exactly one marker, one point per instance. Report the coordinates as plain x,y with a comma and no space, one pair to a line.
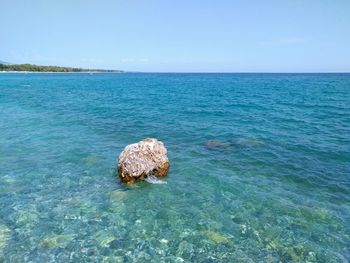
31,68
60,72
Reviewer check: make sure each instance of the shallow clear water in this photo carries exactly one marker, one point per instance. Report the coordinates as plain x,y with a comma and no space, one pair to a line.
260,168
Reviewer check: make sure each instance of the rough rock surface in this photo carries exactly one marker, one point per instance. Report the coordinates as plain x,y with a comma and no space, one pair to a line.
139,160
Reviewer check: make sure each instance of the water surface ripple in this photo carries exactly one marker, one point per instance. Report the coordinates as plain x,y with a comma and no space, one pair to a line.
260,168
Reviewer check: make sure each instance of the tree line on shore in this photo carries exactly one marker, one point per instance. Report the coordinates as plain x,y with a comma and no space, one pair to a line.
36,68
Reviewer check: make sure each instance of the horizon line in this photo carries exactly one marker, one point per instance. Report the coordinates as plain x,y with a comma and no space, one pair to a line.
243,72
184,72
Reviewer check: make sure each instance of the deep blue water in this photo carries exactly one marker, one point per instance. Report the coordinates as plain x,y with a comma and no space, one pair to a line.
260,168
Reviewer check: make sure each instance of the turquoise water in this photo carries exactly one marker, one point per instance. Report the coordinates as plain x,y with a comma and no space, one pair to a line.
260,168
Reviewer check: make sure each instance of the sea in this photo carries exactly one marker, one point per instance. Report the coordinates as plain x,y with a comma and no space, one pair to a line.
259,168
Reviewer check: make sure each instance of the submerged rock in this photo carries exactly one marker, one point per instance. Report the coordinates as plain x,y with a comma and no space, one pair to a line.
250,142
140,160
4,237
212,144
56,241
215,236
28,217
236,144
104,238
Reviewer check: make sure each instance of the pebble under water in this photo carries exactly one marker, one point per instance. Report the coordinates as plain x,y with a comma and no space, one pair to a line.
260,168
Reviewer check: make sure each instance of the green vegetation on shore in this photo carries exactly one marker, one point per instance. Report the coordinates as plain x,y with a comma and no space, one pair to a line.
36,68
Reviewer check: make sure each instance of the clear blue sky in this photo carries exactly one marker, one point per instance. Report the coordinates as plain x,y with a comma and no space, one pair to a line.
179,35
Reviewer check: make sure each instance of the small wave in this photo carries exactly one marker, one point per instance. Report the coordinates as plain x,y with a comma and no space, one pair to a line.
154,180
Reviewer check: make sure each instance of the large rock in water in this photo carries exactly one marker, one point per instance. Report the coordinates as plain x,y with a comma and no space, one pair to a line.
142,159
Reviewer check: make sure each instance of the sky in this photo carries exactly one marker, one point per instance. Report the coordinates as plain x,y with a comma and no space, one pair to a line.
179,35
